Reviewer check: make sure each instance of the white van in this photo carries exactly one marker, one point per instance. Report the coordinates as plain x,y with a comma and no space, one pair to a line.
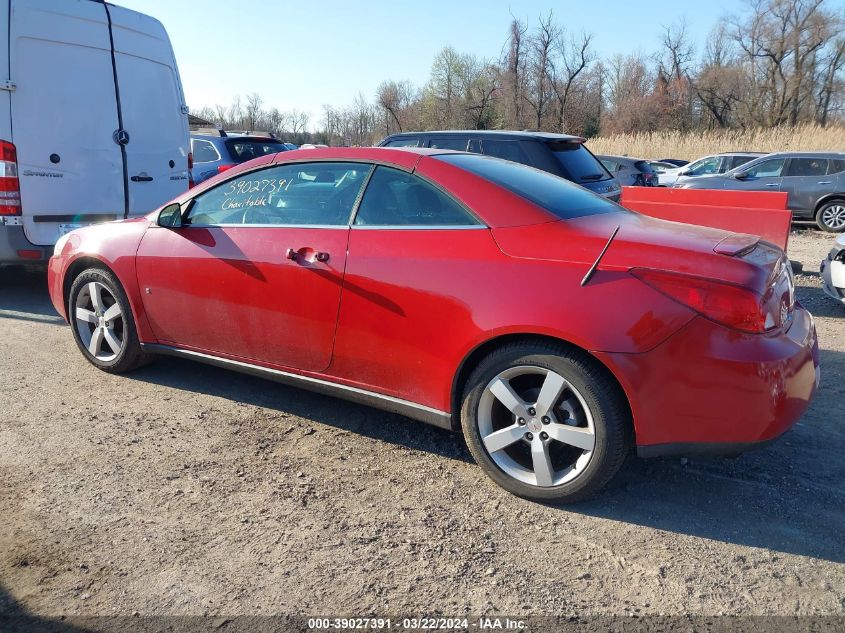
93,121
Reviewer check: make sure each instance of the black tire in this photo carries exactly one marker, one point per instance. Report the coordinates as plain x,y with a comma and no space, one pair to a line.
130,356
823,223
607,404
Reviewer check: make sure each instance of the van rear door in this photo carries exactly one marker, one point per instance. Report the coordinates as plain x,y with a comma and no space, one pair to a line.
153,110
64,114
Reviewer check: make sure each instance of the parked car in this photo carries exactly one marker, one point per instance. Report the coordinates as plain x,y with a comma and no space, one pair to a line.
73,148
559,154
833,271
553,327
667,173
630,172
714,165
215,151
674,161
814,182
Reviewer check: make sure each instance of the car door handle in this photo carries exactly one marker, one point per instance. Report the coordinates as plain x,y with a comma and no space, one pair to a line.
824,182
773,184
141,178
306,254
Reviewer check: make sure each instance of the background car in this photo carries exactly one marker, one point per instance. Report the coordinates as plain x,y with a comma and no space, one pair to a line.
715,164
216,151
814,182
674,161
559,154
833,271
667,173
630,172
604,328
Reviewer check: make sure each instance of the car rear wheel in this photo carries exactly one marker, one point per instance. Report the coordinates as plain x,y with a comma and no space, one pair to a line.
544,422
831,216
102,322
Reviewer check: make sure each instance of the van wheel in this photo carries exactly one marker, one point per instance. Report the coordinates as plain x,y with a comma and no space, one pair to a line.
831,216
544,422
102,322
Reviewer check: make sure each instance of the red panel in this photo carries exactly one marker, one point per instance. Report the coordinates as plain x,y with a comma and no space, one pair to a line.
762,213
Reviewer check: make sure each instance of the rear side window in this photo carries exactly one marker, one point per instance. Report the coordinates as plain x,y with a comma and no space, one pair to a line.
403,142
459,143
246,149
396,198
578,164
507,150
807,167
836,166
556,195
610,165
204,151
321,194
736,161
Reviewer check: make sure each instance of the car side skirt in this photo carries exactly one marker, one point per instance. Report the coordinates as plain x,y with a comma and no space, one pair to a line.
411,410
702,449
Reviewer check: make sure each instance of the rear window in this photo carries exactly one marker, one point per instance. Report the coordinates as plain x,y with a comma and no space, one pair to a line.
556,195
578,164
244,149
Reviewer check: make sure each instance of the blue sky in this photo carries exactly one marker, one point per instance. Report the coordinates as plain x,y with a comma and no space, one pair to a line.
304,54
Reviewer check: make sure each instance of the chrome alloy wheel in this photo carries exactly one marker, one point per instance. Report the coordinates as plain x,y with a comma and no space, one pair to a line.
834,216
99,321
536,426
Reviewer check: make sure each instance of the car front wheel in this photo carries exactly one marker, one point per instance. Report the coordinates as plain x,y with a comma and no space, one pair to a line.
545,422
102,322
831,216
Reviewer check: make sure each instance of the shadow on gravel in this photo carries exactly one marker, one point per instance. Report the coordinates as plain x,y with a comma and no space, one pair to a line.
24,297
15,619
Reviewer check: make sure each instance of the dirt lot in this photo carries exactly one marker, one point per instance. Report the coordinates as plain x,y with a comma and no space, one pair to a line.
185,489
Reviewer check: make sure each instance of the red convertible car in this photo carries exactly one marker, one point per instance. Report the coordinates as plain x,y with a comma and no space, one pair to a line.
554,328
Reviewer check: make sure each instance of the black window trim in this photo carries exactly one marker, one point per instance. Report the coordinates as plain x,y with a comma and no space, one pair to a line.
418,227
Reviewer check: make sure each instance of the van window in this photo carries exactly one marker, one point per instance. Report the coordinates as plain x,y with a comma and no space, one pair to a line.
578,164
396,198
403,142
556,195
508,150
204,151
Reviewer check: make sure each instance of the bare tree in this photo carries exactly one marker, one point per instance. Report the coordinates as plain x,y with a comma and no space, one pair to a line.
573,57
252,110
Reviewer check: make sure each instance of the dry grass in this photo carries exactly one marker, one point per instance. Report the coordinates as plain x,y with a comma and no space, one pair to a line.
692,145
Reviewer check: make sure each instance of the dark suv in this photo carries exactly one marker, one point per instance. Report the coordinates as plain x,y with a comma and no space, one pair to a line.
215,151
559,154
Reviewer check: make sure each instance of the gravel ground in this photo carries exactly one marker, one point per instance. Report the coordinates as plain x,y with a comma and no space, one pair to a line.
186,489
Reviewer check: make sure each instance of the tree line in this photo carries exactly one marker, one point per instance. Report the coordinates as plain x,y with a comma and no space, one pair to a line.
778,62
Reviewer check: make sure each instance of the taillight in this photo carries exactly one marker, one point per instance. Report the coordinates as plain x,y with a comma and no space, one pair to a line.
190,160
10,186
733,306
222,168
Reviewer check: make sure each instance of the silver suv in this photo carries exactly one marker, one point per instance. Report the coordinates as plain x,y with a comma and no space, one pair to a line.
814,182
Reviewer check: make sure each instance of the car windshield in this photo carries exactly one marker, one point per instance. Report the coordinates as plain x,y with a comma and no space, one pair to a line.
578,163
244,149
556,195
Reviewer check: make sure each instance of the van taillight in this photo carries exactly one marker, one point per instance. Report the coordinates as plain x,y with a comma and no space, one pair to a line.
10,186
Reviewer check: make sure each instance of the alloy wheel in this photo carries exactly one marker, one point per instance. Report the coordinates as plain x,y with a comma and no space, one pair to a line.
99,321
833,216
536,426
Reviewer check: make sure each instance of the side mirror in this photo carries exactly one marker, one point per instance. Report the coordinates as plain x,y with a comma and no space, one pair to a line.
170,216
741,175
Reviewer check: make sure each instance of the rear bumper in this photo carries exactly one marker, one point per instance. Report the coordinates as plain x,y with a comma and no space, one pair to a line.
16,249
708,389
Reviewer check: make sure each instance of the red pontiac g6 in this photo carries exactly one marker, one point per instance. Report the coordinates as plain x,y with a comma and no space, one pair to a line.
554,328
